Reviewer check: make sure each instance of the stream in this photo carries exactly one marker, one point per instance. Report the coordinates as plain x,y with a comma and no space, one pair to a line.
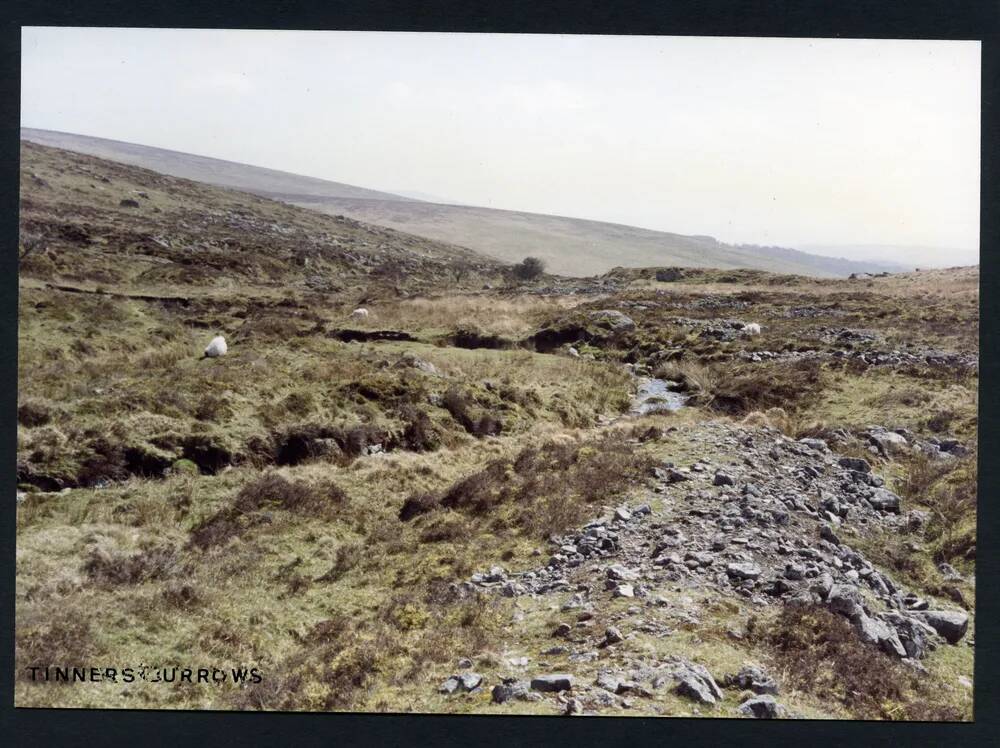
655,396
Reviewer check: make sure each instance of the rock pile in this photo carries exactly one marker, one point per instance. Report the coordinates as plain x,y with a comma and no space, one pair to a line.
773,528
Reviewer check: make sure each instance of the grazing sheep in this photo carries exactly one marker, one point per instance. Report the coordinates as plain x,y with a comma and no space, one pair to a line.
360,313
751,328
216,348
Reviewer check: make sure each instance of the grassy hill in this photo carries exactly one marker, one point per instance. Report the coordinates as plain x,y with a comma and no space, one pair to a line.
573,246
570,246
215,171
89,221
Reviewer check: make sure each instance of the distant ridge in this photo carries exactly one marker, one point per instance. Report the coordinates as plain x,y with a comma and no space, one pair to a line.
569,246
255,179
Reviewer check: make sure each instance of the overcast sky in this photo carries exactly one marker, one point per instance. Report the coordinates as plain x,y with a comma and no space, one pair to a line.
791,142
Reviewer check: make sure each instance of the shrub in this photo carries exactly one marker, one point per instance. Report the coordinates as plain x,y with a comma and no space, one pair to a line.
745,388
270,490
529,268
181,595
479,492
416,505
418,433
697,380
356,439
461,408
920,472
549,487
449,526
33,413
110,568
298,403
214,408
62,638
941,421
820,652
330,676
347,557
738,389
297,496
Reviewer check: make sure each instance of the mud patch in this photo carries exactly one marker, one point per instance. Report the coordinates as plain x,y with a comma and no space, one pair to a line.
365,336
473,339
552,338
209,456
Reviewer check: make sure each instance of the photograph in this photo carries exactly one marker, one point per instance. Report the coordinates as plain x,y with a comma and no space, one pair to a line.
497,374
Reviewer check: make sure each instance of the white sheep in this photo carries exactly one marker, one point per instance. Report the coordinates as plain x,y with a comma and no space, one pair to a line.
359,313
751,328
216,348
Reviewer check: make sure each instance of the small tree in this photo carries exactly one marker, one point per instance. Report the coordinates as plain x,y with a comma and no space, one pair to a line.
529,268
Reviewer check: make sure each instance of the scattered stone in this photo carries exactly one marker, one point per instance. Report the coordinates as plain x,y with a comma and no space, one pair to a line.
888,443
916,637
552,683
884,500
621,573
676,476
950,624
879,633
695,682
613,319
743,571
795,571
624,590
761,707
949,572
723,479
826,533
855,463
512,689
817,445
411,360
463,683
613,636
752,678
846,600
608,681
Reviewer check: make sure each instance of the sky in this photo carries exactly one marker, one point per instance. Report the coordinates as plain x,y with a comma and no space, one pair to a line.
855,146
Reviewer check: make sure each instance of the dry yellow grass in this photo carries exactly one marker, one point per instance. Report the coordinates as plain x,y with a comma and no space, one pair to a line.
509,317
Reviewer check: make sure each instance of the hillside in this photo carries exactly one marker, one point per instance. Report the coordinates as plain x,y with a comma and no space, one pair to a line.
90,221
256,179
656,492
573,246
570,246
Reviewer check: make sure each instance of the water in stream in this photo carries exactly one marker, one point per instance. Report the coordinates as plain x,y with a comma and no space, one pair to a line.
655,395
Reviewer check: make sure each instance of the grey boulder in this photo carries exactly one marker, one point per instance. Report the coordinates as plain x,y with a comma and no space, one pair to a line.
695,682
761,707
884,500
552,683
951,624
